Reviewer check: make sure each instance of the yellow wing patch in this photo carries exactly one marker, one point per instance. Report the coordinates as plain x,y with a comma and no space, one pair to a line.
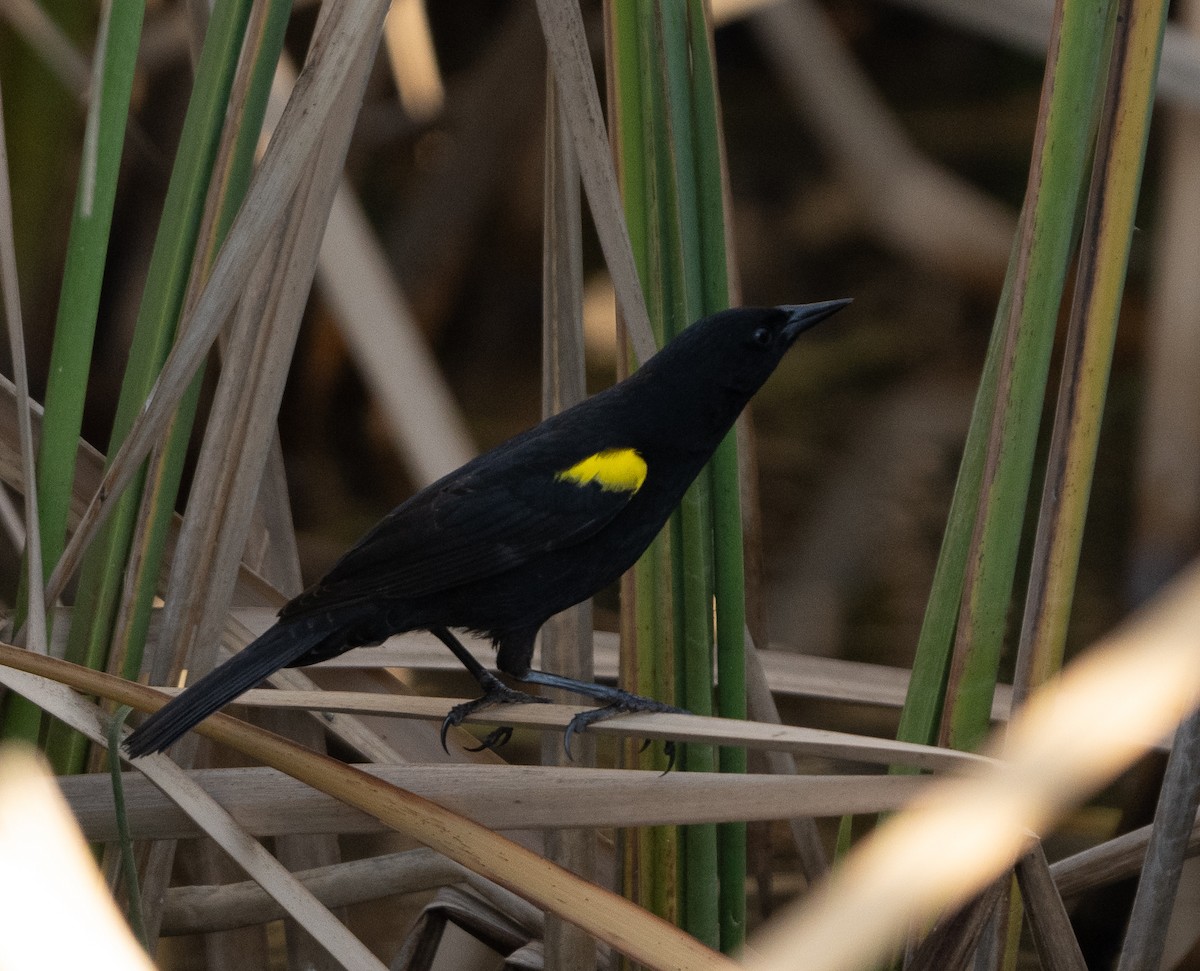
614,470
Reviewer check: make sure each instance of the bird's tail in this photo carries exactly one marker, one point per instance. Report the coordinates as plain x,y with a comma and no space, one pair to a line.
279,647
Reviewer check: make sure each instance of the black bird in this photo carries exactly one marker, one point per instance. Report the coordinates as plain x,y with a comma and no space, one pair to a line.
524,531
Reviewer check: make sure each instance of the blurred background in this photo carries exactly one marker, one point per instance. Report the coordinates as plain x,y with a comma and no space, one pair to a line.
875,150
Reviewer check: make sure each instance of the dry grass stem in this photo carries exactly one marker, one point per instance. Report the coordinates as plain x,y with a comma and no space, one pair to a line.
815,742
760,705
1111,861
191,910
35,622
952,943
566,638
1055,940
1158,887
268,803
571,60
787,674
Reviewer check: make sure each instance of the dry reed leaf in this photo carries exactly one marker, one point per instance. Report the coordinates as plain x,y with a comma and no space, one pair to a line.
1048,921
814,742
202,909
566,44
566,638
503,797
788,674
190,910
1112,860
419,650
35,622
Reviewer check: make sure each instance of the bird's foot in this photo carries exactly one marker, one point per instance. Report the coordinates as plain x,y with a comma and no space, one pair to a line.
622,702
495,692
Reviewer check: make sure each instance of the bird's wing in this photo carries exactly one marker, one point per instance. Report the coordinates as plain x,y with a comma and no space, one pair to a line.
487,518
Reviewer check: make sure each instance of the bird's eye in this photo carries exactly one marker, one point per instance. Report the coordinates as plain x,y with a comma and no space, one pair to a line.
761,337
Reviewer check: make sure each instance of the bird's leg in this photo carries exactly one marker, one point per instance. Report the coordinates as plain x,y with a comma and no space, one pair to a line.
616,702
495,692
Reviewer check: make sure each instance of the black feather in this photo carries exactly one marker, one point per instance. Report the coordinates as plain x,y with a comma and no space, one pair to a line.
278,647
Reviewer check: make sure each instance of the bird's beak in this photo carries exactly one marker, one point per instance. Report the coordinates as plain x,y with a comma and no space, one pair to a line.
804,316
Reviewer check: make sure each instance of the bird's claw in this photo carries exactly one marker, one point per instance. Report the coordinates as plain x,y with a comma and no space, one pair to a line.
625,704
668,751
495,693
496,738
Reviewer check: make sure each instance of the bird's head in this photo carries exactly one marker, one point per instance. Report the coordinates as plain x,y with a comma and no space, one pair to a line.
737,350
